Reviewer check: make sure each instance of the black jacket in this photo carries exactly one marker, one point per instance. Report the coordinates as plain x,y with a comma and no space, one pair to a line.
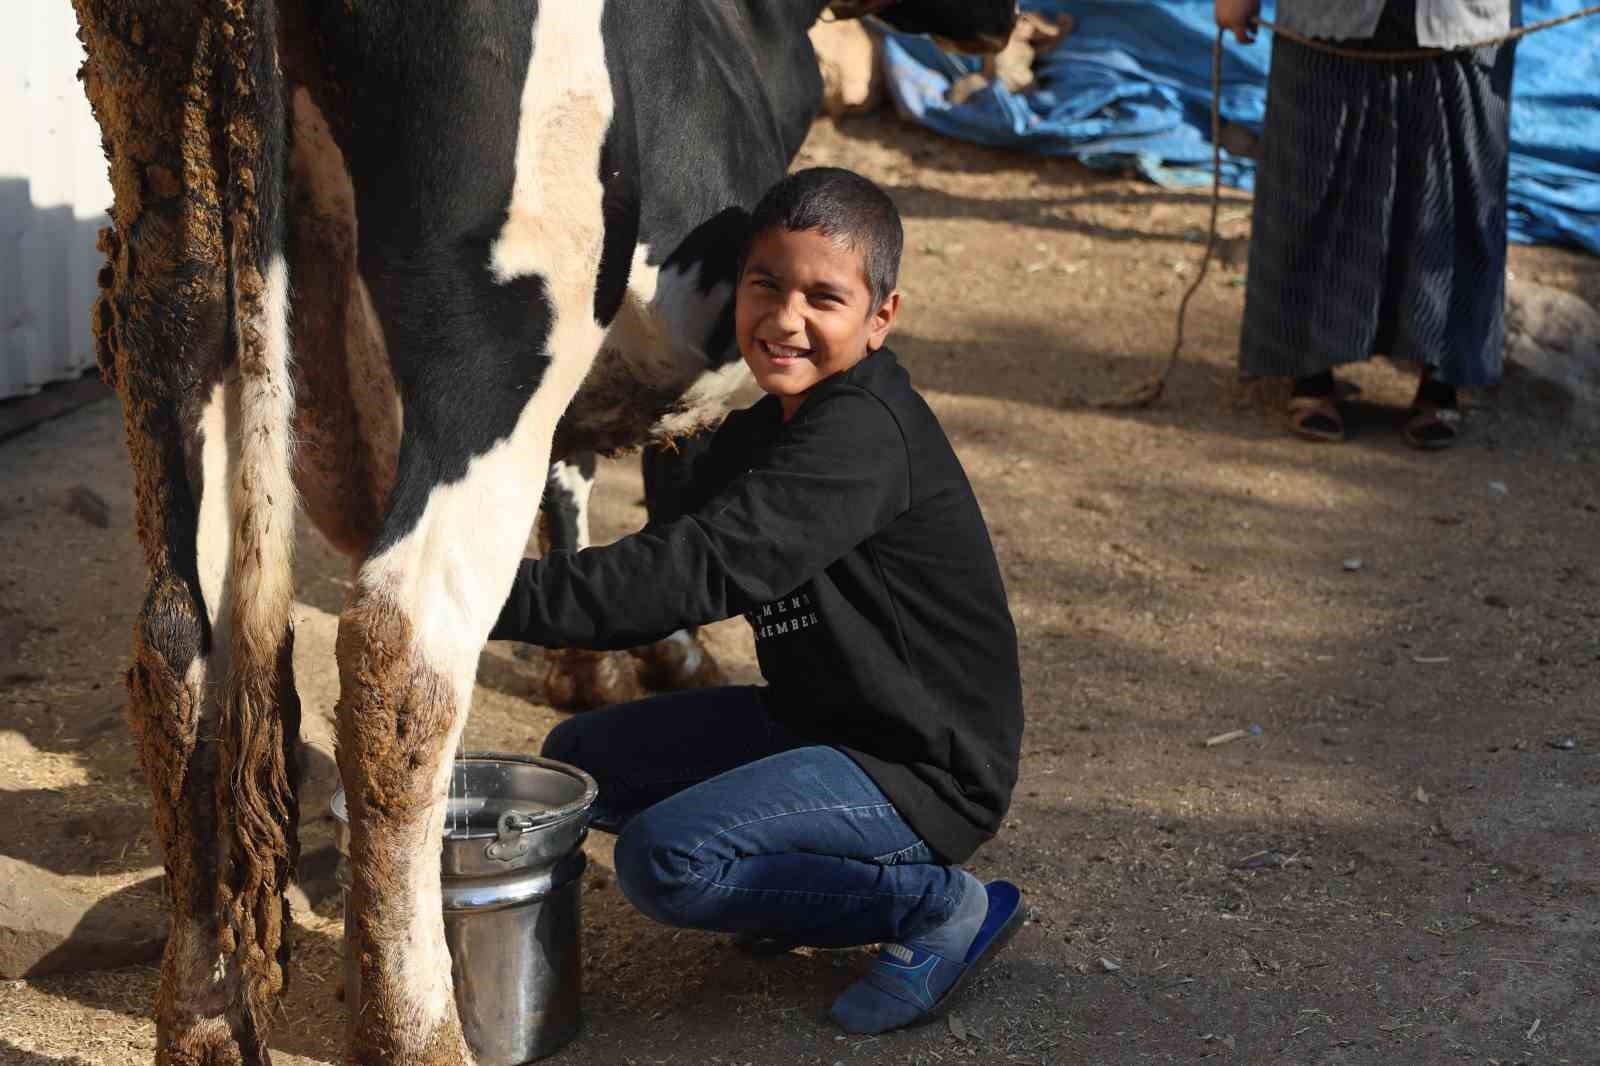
850,539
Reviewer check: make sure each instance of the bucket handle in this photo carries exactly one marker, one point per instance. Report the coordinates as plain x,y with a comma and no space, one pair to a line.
510,840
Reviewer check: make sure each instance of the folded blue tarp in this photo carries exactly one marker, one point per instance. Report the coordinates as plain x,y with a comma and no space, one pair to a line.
1132,84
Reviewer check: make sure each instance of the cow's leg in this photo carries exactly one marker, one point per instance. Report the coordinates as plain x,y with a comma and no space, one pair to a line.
194,281
408,648
482,390
678,661
577,678
409,640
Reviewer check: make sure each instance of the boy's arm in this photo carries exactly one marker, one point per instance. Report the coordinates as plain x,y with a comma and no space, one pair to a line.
837,475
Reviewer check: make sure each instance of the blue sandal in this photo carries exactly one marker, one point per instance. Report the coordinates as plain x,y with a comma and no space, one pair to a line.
927,981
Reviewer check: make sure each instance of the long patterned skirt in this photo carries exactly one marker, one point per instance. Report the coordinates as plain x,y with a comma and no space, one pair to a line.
1380,212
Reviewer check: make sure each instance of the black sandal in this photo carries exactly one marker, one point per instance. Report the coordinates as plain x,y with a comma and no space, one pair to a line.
1431,427
1316,418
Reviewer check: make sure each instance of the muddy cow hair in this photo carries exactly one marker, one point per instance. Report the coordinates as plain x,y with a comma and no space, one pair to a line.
380,260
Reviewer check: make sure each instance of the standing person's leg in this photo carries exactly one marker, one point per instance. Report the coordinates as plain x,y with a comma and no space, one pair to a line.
642,752
1319,235
1446,293
804,846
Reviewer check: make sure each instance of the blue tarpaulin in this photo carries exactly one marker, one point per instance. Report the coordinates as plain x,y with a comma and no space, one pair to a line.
1132,85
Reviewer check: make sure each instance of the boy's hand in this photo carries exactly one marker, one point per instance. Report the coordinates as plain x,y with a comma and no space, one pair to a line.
1238,16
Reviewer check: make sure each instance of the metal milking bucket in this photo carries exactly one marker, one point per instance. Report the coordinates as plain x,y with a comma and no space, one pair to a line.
511,873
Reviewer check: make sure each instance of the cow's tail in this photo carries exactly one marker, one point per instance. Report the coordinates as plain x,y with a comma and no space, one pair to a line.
260,727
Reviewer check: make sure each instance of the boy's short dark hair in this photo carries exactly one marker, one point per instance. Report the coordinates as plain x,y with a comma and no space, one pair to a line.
842,206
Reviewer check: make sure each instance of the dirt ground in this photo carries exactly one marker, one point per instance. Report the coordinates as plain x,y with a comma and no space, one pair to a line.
1401,867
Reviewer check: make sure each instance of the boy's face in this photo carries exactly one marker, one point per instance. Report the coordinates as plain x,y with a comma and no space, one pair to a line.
804,312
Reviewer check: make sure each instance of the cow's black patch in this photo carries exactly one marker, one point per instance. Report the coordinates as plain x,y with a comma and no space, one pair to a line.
974,23
619,178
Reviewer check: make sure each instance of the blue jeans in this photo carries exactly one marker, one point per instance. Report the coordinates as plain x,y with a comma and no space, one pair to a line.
729,823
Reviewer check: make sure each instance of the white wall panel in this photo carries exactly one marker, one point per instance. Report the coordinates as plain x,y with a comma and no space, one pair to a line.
53,198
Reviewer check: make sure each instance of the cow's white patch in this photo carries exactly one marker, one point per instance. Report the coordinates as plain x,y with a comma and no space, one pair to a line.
688,317
693,654
450,574
422,958
666,345
579,487
245,526
712,394
643,277
688,314
211,536
653,379
554,226
263,498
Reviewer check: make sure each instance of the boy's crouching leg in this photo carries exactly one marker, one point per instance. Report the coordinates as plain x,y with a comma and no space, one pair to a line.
657,873
562,743
585,742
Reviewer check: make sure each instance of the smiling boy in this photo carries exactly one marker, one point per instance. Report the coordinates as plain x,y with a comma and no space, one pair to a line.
830,806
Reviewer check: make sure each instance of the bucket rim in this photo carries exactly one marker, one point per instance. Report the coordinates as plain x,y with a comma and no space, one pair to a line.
340,810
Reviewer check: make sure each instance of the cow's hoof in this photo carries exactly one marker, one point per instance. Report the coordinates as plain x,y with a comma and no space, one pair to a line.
207,1041
576,679
678,662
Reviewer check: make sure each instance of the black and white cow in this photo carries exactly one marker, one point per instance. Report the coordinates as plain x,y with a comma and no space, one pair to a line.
388,257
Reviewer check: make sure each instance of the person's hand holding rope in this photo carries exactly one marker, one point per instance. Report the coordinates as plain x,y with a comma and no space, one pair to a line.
1238,16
